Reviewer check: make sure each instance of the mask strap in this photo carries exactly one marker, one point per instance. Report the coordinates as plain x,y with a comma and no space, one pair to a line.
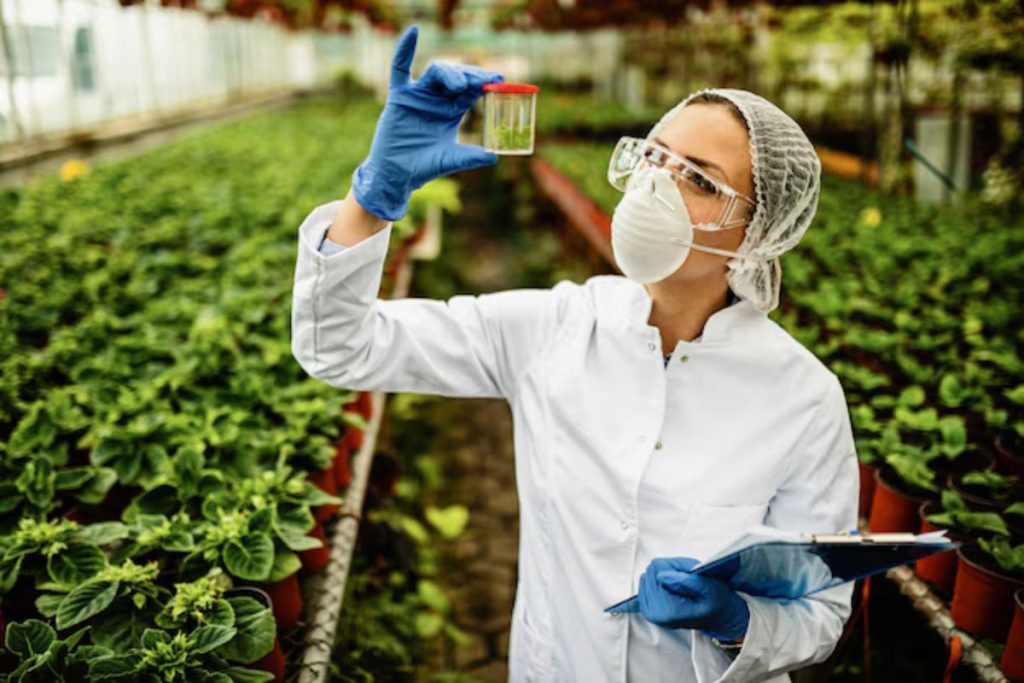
714,250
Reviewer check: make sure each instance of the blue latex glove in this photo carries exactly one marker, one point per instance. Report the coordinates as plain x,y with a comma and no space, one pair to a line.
672,597
416,132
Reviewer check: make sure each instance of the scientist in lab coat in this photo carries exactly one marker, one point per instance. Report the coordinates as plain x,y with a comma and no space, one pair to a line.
655,414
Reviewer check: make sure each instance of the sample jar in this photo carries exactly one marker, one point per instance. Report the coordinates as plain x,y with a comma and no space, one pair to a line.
509,115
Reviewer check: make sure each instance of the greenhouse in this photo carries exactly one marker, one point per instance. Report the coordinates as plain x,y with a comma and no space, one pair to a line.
511,340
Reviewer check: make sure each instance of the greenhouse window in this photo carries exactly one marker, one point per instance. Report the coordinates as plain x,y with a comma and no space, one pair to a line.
81,61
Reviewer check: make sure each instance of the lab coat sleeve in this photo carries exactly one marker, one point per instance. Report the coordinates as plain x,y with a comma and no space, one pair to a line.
342,334
818,495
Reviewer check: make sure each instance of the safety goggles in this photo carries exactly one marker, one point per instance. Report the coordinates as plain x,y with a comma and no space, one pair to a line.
712,204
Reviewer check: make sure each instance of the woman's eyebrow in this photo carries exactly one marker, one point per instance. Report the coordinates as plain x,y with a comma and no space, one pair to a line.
703,163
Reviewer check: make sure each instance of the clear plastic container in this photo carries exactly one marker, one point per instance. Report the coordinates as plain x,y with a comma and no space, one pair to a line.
510,111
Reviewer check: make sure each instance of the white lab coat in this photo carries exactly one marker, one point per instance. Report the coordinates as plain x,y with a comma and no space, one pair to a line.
619,459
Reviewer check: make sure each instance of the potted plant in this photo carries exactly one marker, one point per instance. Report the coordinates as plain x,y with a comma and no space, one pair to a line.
42,656
1013,653
900,490
211,600
963,525
986,579
986,490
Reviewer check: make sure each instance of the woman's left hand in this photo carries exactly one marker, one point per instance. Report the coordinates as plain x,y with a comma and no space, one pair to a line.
673,597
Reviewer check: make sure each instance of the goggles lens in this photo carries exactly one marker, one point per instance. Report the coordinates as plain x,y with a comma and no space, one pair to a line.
712,204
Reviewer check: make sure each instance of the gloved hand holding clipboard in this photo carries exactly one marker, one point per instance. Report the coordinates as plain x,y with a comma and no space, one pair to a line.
771,563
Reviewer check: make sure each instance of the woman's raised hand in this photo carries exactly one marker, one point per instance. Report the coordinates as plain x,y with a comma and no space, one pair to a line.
416,132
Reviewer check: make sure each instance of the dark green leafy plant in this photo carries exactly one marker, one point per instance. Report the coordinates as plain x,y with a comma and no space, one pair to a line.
956,515
61,552
1010,558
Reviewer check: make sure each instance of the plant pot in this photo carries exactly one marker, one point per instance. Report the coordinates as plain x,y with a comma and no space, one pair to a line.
893,508
1013,654
354,438
327,481
272,662
867,488
364,404
286,600
977,500
982,596
317,558
1009,456
342,465
940,569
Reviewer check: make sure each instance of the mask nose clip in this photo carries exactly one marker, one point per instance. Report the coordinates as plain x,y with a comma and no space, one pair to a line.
654,193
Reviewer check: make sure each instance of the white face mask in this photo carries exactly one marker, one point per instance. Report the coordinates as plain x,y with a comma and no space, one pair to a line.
651,230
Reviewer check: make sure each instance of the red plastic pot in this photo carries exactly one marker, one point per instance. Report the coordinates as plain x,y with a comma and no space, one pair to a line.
286,600
940,569
317,558
1013,655
272,662
364,405
982,597
354,438
326,481
867,488
1008,460
893,509
342,465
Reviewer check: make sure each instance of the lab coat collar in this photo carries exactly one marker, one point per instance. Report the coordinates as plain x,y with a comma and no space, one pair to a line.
727,324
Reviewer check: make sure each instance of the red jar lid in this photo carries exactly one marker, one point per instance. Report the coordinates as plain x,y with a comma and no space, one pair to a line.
511,88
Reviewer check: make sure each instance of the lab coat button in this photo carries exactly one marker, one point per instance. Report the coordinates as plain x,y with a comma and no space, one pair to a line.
651,346
657,446
683,359
625,525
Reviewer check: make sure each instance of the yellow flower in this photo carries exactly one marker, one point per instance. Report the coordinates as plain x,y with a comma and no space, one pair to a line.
871,217
73,168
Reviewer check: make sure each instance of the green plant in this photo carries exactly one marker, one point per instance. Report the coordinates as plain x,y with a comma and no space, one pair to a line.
1009,557
60,551
956,515
995,485
44,658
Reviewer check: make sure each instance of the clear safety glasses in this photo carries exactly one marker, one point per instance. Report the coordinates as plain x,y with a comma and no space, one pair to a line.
712,204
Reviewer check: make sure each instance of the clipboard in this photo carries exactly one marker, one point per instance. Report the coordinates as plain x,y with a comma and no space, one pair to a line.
783,566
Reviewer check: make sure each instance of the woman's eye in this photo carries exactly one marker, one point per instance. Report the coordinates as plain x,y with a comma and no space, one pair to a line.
700,182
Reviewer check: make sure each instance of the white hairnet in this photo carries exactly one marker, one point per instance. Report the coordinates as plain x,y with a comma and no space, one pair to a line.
787,181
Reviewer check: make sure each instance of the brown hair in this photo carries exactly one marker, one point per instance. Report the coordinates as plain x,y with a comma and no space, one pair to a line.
714,98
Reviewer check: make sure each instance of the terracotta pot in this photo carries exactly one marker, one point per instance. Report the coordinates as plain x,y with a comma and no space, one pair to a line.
977,500
272,662
1009,458
867,488
982,597
326,481
1013,655
342,465
940,569
316,559
286,600
893,509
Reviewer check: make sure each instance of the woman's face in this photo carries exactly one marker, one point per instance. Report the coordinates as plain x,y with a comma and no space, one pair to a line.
710,136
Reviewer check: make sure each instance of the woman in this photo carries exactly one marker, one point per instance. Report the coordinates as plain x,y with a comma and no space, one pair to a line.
655,415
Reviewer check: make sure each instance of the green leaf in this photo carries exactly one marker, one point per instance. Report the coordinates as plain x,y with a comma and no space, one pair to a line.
428,624
1015,509
250,558
29,637
122,627
209,638
239,675
75,564
450,521
256,631
73,477
113,667
912,397
951,393
286,563
95,491
102,533
86,601
433,596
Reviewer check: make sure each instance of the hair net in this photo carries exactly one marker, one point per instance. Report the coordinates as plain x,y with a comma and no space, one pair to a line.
787,181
